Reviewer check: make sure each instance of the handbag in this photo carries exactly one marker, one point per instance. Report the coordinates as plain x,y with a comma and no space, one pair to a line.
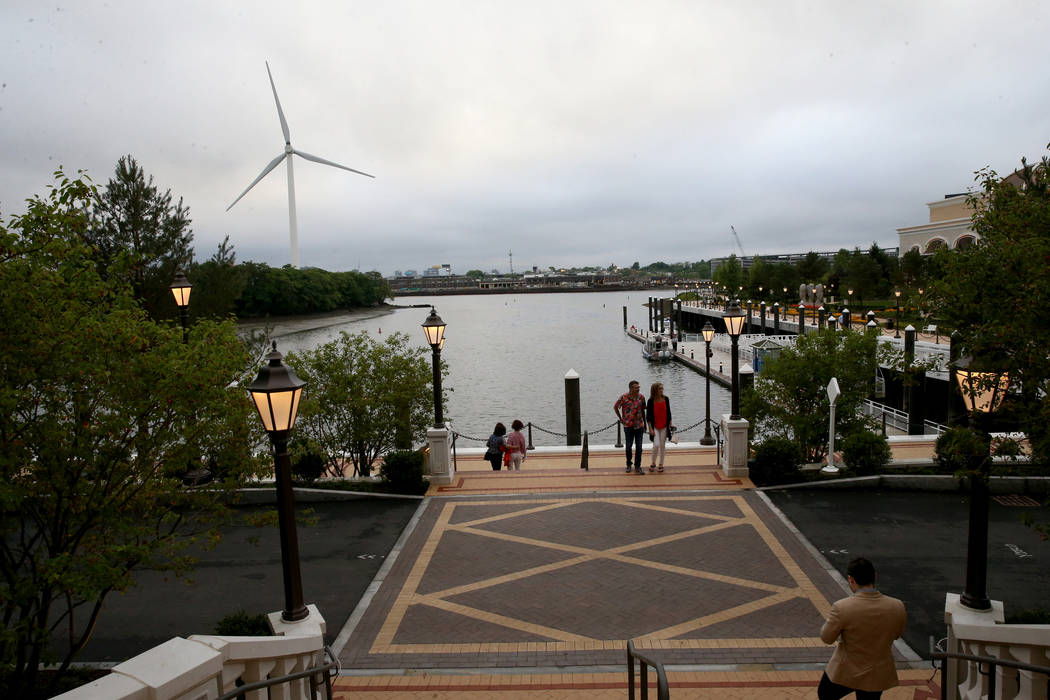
673,437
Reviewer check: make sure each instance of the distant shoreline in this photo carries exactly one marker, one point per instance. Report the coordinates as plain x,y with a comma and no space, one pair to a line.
286,325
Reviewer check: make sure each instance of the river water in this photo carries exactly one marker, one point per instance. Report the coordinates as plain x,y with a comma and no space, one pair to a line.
508,354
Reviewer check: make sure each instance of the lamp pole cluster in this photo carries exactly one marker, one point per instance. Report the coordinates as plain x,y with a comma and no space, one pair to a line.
276,392
734,319
180,289
434,328
708,332
982,393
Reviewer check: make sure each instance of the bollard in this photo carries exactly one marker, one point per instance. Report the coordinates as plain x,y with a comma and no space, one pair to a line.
455,464
913,391
691,355
530,447
776,318
584,454
572,408
619,440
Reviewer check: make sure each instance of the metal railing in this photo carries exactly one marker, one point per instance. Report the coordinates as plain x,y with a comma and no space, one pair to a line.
993,674
662,692
319,677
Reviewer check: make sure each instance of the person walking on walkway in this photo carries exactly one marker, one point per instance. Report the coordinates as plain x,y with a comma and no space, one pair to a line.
658,418
630,410
865,625
516,445
496,447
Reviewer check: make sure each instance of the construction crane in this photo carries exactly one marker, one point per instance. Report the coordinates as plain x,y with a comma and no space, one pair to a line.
738,245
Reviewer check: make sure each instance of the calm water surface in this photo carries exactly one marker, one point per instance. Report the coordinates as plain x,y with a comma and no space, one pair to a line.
507,357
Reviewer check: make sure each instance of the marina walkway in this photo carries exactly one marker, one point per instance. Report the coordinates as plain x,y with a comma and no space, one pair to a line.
529,584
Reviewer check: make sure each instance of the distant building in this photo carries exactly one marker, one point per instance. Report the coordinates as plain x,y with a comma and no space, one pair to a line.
949,227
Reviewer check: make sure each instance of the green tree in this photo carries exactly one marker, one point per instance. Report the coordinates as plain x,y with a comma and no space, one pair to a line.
365,397
789,398
475,274
217,283
813,269
863,276
139,235
102,409
992,292
731,274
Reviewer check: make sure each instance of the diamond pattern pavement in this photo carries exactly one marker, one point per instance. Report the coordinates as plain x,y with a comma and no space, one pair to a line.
546,580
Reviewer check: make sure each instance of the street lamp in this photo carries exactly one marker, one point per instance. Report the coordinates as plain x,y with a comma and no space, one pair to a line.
276,392
180,289
898,324
434,328
734,319
982,392
708,332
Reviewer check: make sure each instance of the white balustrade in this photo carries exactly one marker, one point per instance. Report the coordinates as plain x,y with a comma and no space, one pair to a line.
979,634
204,667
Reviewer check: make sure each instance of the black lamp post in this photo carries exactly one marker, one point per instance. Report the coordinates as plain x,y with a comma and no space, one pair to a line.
708,332
982,392
180,289
276,392
434,327
897,334
734,319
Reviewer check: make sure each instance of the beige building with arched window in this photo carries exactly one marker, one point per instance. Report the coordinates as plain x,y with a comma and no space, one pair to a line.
949,227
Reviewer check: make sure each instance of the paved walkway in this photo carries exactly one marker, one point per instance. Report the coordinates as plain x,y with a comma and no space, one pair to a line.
530,584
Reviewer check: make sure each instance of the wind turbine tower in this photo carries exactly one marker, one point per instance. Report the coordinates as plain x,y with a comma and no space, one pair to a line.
287,156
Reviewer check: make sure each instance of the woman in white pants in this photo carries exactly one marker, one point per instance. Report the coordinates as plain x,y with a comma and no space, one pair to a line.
658,420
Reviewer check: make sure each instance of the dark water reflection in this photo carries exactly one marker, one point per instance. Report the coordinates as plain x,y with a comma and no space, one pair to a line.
507,357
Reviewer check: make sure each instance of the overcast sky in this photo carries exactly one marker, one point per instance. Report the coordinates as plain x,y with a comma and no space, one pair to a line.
570,132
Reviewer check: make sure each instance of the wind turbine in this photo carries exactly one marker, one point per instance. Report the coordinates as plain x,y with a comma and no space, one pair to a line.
287,156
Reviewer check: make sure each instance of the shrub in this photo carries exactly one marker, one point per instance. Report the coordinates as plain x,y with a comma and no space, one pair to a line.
960,449
403,471
866,453
241,624
777,460
308,462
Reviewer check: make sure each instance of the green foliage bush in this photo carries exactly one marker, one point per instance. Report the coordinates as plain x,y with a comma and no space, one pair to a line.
777,460
866,453
960,449
308,461
241,624
403,471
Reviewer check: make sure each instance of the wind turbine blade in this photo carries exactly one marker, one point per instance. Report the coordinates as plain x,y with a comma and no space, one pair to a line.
280,112
322,161
266,171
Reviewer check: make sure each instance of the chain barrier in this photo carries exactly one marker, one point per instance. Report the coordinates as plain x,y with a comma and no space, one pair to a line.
457,434
589,432
468,437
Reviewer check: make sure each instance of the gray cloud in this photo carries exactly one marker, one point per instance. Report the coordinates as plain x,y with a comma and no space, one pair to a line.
573,133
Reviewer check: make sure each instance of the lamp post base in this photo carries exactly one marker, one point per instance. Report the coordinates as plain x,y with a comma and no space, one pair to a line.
439,465
313,623
734,456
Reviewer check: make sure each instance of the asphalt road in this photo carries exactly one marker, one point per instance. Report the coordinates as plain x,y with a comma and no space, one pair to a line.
340,554
917,541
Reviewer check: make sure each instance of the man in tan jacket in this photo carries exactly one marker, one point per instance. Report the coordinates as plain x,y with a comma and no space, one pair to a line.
865,625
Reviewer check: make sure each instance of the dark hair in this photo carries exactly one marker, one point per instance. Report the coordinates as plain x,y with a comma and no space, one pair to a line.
517,424
632,383
500,429
862,571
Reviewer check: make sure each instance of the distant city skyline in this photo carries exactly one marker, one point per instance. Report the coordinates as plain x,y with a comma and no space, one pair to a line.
574,134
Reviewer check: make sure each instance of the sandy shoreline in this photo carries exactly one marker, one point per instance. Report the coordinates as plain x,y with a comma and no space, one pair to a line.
284,325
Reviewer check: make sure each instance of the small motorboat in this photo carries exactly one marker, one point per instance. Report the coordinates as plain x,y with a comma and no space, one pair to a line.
657,348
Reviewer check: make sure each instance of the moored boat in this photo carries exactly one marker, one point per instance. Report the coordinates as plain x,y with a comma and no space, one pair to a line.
657,348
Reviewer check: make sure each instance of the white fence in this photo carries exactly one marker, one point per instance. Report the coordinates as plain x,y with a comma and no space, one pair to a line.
206,667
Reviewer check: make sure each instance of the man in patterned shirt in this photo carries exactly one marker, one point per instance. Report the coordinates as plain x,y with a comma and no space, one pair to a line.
630,410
